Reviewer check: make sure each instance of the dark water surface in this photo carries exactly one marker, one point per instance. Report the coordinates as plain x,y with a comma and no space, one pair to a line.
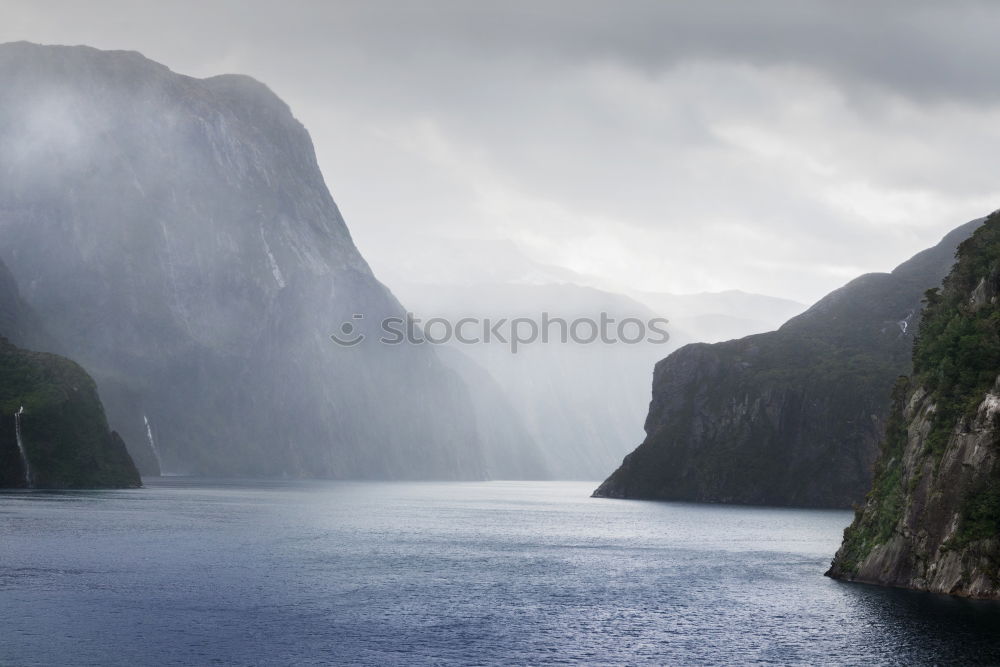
306,573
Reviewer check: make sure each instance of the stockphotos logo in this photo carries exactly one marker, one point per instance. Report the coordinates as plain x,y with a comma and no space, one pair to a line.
514,333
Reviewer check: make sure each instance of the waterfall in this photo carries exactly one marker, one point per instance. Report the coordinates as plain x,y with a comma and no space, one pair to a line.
20,447
152,444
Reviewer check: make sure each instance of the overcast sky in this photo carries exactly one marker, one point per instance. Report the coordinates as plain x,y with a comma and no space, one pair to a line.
775,147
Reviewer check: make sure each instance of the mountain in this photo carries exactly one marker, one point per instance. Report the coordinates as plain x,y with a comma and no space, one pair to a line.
53,431
932,519
791,417
176,237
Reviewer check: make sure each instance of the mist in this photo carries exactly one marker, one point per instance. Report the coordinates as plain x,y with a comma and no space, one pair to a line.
370,332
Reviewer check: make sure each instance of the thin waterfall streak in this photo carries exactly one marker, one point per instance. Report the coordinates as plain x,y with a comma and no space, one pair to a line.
20,447
152,444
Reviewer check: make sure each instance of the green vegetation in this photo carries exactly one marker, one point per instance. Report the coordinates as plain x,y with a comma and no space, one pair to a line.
65,431
874,523
980,516
957,354
956,359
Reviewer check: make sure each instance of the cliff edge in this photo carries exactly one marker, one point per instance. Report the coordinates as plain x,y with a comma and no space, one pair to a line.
932,518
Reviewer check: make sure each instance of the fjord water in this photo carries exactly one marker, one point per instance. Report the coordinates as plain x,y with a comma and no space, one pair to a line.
202,572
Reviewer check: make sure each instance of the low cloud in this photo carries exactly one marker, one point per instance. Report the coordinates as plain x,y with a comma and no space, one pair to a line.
778,147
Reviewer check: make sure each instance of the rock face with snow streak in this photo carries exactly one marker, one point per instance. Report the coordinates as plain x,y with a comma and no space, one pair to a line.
791,417
932,518
176,237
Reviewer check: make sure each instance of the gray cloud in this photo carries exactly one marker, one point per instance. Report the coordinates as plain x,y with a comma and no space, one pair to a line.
775,146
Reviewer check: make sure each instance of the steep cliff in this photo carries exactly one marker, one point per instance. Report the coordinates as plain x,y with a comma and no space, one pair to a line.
932,518
53,431
176,237
791,417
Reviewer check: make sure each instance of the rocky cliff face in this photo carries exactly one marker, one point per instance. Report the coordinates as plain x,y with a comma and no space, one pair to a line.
176,237
932,519
53,431
792,417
